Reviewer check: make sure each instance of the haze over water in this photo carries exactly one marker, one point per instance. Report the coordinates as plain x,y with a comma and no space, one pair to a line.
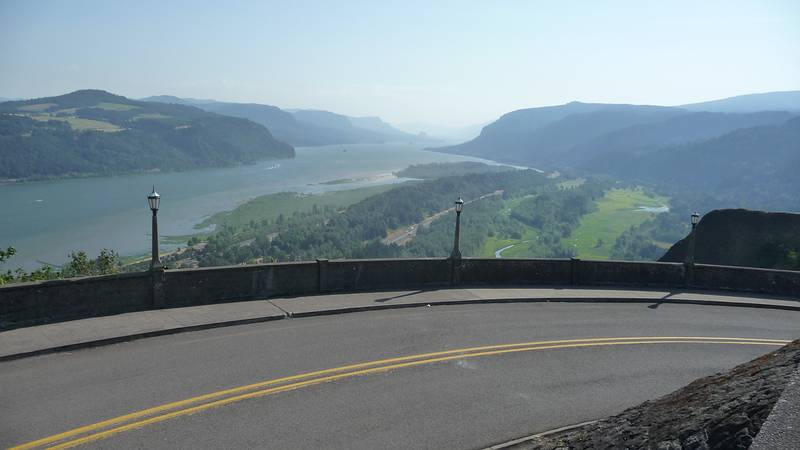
47,220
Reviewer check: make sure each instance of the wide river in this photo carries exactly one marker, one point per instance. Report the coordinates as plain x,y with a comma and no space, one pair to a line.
45,221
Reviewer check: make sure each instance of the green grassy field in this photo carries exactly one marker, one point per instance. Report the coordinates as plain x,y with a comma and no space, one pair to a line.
115,106
272,205
36,107
616,212
150,116
525,247
569,184
79,124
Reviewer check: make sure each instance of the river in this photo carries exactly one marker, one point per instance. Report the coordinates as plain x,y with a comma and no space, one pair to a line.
47,220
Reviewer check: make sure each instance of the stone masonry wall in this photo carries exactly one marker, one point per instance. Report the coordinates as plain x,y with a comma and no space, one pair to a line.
28,304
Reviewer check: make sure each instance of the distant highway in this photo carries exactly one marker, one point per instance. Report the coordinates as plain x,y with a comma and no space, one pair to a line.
405,235
448,377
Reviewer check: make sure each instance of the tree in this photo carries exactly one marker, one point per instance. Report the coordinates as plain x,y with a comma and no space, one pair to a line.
7,253
107,262
79,265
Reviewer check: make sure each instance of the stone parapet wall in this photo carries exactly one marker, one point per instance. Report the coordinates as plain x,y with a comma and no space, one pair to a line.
748,279
28,304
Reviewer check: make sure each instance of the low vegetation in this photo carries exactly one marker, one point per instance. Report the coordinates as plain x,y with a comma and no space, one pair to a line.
107,262
523,207
616,211
271,207
439,170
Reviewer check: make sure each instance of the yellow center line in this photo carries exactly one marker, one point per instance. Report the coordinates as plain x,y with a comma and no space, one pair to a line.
393,363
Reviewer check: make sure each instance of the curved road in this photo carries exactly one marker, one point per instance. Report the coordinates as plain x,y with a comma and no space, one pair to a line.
471,399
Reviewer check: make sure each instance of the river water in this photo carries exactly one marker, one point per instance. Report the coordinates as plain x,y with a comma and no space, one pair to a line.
47,220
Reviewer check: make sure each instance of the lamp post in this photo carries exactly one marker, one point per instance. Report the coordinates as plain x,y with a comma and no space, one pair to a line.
153,201
689,261
456,254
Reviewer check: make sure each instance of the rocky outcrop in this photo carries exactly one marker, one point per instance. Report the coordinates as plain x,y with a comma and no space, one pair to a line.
723,411
740,237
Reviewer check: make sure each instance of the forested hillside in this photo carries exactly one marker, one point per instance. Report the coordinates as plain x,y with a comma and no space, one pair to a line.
751,167
539,136
578,135
681,129
95,132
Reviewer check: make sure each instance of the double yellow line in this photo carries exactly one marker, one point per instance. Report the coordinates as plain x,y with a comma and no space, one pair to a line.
139,419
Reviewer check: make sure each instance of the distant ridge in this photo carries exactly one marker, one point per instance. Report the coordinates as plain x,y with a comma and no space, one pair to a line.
540,136
576,133
178,100
302,127
768,101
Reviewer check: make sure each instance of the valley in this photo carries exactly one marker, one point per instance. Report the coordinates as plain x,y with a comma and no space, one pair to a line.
609,182
53,218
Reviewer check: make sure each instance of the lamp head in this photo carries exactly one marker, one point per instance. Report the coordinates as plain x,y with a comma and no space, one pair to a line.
459,204
695,218
153,200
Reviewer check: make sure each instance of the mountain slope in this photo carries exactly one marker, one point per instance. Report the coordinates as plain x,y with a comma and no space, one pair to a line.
769,101
576,134
448,133
95,132
352,129
302,127
676,130
178,100
282,125
540,136
740,237
377,125
755,166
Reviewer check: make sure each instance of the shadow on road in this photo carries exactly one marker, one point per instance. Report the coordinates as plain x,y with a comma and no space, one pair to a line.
407,294
661,301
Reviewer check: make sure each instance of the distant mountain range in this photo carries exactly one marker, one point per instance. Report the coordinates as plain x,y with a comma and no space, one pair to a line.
96,132
304,127
769,101
447,133
572,134
744,150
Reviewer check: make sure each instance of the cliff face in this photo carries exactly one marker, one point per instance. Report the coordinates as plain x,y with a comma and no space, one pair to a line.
740,237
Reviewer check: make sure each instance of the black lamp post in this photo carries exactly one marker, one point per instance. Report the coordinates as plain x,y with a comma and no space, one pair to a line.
456,254
692,236
153,201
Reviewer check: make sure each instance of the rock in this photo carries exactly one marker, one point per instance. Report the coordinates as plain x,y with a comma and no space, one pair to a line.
723,411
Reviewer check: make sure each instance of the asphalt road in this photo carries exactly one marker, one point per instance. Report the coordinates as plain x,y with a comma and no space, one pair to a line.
460,402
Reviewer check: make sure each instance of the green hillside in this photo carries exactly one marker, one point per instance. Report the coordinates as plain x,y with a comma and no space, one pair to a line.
95,132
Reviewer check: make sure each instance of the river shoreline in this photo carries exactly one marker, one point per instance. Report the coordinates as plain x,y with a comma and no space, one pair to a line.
55,217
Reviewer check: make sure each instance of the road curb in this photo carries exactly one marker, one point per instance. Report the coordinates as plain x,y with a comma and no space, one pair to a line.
136,336
525,439
355,309
739,304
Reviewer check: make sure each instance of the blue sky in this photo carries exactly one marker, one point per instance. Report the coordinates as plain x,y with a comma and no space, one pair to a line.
451,63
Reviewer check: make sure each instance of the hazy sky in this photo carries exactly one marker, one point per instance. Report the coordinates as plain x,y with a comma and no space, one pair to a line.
454,63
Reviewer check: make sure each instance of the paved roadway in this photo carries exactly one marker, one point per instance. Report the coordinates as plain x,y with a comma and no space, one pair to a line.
459,401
